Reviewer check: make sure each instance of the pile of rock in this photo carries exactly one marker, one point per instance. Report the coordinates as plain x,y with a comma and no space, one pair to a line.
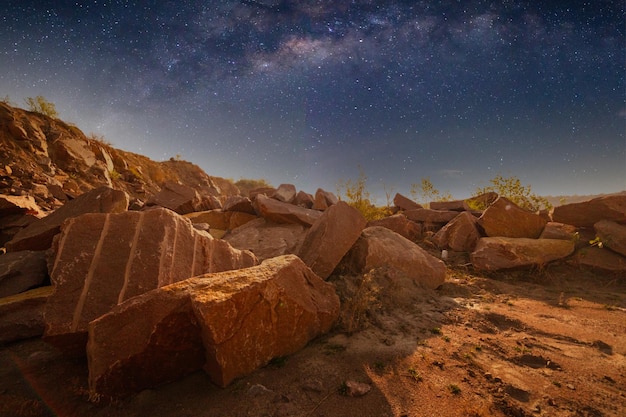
150,295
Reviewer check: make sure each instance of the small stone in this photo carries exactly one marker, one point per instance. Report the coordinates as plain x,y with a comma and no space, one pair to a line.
357,389
570,386
258,390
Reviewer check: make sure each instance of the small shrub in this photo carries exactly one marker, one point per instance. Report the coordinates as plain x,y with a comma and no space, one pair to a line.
513,189
357,196
40,105
425,192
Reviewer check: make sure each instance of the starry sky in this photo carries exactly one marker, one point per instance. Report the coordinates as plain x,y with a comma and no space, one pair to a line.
309,92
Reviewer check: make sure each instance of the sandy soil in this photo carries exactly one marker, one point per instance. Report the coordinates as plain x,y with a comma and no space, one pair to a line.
527,343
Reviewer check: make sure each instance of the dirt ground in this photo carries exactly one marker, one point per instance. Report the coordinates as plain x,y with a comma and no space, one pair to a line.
548,342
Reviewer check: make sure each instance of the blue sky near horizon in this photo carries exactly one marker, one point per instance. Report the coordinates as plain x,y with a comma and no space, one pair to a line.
308,92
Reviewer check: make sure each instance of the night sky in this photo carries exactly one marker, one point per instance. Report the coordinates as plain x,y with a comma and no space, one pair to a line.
306,92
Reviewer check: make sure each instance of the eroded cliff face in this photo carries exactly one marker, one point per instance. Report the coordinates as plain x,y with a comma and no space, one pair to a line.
54,161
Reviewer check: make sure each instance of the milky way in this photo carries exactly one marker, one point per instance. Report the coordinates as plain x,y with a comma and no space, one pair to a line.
309,92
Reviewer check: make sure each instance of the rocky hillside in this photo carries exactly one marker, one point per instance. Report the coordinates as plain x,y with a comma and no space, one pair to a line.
54,161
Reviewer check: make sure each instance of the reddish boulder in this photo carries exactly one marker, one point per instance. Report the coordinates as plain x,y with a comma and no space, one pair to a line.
401,225
405,203
586,214
304,200
505,219
378,247
285,193
21,315
92,271
430,216
38,235
555,230
228,323
460,234
601,259
495,253
267,240
238,203
612,235
279,212
331,237
13,204
324,199
456,205
179,198
21,271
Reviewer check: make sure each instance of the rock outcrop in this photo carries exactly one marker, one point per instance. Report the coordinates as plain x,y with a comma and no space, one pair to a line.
494,253
228,324
92,271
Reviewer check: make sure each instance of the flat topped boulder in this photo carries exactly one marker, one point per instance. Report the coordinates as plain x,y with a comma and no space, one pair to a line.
495,253
280,212
430,216
587,213
401,225
101,260
228,324
504,218
265,239
39,234
405,203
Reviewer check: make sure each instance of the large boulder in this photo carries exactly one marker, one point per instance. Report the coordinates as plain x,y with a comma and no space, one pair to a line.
21,315
228,323
430,216
601,259
304,199
265,239
285,193
331,237
460,234
279,212
401,225
379,247
39,234
238,203
495,253
587,213
324,199
504,218
454,205
556,230
179,198
101,260
612,235
405,203
21,271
